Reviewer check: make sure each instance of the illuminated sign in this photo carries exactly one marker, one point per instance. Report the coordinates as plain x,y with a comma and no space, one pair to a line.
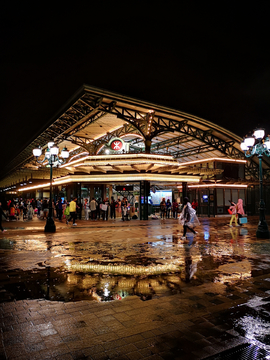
116,145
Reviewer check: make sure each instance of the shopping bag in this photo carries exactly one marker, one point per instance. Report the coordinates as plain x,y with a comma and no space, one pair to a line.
243,220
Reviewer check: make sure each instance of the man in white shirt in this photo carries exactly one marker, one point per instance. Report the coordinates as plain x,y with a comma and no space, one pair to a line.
93,208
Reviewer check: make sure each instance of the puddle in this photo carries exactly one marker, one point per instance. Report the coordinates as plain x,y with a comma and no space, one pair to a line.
72,268
62,285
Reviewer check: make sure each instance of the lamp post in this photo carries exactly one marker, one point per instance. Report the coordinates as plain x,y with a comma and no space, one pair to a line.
52,159
259,145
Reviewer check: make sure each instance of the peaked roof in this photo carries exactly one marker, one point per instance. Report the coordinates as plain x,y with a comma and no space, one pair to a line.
92,117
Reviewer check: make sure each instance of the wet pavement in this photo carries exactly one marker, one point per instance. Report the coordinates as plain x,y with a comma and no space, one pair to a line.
133,290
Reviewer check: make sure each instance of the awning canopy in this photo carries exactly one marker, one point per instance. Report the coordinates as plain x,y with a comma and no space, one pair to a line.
93,117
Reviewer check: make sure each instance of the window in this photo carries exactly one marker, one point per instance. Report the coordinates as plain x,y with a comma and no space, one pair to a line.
227,197
220,197
234,195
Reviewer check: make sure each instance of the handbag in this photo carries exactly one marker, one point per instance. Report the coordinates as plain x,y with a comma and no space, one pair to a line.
230,211
243,220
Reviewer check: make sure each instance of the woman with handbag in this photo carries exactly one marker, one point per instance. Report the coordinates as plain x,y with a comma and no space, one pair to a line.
240,210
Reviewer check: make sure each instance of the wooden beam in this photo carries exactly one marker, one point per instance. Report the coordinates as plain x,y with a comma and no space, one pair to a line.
158,168
168,168
87,169
149,167
117,168
135,168
99,169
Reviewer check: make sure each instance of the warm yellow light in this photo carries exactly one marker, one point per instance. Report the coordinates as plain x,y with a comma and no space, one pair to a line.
217,185
124,159
34,187
83,153
126,177
127,269
74,162
213,159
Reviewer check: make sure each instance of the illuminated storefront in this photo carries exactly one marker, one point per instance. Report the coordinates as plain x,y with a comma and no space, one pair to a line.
115,140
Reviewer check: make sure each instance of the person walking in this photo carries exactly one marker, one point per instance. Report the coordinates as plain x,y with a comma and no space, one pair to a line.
240,211
233,209
188,218
162,208
168,208
112,207
2,214
45,208
174,209
17,212
86,209
72,209
38,207
93,208
30,211
12,211
124,212
98,208
21,207
59,208
67,213
119,210
24,209
104,210
124,205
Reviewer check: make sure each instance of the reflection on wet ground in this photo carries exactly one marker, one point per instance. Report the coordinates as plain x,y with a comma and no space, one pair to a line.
72,267
150,261
63,285
82,269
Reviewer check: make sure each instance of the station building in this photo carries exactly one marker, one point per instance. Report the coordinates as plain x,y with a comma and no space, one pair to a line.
120,146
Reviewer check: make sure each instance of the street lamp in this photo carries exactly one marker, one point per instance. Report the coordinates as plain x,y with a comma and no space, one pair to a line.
259,145
52,159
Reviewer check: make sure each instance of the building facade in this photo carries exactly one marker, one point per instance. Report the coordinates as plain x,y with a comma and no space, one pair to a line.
120,146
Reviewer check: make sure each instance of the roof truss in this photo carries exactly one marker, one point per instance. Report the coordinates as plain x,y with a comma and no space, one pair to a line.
146,120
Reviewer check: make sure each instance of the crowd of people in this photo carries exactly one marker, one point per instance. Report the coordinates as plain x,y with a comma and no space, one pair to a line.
96,209
19,209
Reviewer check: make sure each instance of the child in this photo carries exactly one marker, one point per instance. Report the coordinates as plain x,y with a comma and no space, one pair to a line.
233,209
125,212
12,212
30,211
67,213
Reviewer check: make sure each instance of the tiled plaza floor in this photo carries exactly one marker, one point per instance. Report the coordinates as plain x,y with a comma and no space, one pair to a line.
132,290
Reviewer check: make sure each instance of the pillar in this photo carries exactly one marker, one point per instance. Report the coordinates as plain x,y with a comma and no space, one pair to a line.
143,203
184,190
147,144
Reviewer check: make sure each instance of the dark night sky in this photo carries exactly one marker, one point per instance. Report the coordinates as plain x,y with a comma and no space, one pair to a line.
210,59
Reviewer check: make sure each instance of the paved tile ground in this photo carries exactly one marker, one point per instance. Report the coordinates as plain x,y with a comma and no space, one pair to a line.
223,302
